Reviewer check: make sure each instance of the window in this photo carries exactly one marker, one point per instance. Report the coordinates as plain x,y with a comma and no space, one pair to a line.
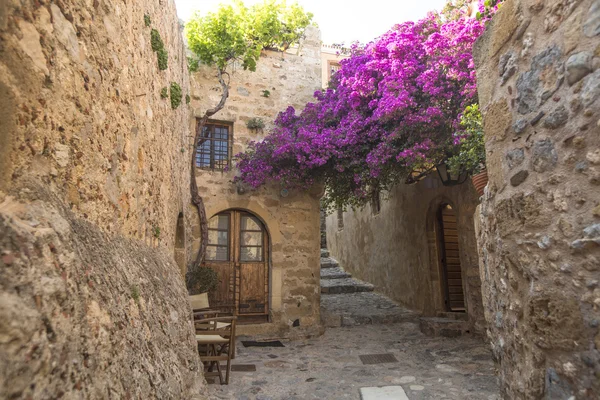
333,67
375,202
214,146
251,239
217,248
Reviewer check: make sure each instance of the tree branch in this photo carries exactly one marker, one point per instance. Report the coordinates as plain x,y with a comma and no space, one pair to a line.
197,200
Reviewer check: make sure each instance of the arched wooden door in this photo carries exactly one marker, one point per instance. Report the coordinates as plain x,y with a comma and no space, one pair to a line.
449,252
237,249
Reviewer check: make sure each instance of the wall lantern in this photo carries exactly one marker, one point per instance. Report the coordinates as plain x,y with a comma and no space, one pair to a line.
451,178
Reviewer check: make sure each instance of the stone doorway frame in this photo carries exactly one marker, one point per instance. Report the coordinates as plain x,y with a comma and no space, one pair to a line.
436,268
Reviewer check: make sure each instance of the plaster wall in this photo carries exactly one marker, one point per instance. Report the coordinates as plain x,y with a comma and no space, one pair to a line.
92,179
538,77
396,249
292,222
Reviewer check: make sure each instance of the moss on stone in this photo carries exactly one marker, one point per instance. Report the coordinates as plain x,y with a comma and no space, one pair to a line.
163,57
156,41
176,95
164,93
187,99
147,21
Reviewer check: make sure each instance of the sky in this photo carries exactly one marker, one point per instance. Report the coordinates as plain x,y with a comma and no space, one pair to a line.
341,21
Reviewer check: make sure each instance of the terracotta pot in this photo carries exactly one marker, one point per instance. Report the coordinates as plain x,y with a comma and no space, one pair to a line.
480,181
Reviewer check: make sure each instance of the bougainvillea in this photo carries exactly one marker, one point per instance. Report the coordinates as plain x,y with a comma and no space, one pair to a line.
392,107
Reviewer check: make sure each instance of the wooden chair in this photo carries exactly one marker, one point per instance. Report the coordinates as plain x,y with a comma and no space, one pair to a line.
219,345
201,310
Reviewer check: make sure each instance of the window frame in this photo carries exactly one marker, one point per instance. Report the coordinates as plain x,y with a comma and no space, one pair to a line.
228,246
212,149
332,66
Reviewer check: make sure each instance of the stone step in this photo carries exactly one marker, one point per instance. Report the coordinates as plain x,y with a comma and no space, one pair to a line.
324,253
446,327
363,308
459,316
328,262
344,285
334,273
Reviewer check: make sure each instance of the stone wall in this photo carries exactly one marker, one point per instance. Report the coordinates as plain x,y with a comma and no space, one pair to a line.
397,251
93,175
292,220
539,83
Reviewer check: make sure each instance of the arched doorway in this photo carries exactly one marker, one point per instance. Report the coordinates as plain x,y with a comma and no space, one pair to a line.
180,244
449,253
238,249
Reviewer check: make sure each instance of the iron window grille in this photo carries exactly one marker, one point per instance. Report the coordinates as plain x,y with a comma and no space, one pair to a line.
215,146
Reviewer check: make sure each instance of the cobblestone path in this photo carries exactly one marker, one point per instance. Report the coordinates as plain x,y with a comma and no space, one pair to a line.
329,367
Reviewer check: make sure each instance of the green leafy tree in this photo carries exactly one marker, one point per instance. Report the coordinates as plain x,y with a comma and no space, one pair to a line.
470,156
236,35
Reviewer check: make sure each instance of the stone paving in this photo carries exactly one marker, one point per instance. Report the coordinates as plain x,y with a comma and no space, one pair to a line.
329,367
362,308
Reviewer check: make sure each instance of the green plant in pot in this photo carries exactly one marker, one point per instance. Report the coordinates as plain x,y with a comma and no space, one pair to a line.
470,154
205,280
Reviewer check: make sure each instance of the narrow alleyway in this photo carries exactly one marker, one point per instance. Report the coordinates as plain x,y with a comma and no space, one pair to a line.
362,323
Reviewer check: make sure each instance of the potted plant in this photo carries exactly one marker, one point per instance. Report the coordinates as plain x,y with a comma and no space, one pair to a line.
205,280
470,151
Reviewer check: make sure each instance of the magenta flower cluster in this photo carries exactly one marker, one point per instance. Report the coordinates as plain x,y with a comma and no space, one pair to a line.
392,107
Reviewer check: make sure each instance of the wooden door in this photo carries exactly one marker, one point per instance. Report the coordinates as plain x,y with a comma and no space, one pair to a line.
238,250
450,259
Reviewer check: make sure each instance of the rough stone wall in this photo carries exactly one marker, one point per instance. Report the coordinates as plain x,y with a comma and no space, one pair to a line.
396,249
92,178
539,83
292,221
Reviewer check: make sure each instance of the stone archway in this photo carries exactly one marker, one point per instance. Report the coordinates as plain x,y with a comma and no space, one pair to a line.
468,264
238,250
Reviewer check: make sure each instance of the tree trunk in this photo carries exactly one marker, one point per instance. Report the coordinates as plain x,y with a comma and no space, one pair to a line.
196,198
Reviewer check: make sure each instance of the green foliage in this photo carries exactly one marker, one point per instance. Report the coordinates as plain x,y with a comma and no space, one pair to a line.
176,95
135,293
489,6
163,57
147,21
471,149
156,232
238,33
255,123
454,9
164,93
159,47
277,25
155,40
193,64
204,280
187,99
265,93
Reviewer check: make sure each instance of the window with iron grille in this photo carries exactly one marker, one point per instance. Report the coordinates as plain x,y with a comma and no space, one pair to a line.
214,148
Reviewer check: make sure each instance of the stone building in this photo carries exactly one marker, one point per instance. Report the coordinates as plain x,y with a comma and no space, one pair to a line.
92,185
417,245
539,238
264,243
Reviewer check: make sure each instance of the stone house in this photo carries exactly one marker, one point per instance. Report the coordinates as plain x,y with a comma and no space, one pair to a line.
417,245
264,243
